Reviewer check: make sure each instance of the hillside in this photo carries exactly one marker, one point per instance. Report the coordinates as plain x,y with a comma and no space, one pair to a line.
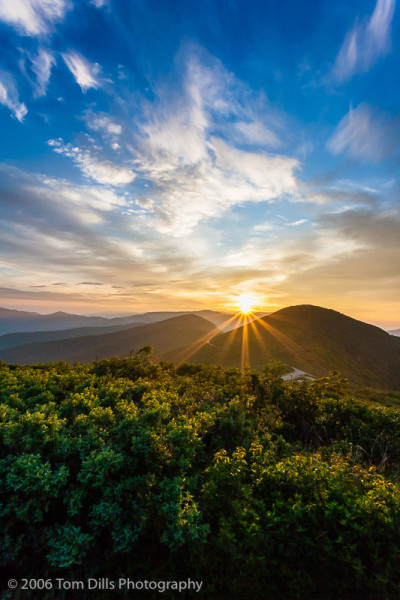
164,336
10,340
19,321
313,339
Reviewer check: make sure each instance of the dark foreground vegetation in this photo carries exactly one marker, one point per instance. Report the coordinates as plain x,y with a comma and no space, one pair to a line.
262,488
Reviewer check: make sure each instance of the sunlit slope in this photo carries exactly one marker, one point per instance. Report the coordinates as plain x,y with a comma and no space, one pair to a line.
313,339
164,336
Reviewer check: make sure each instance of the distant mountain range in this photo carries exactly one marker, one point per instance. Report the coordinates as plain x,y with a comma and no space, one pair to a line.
17,321
309,338
12,321
395,332
165,336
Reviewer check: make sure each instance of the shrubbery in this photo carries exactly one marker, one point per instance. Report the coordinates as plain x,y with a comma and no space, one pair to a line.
261,488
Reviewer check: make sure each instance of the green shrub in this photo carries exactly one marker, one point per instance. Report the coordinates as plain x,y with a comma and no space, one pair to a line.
259,487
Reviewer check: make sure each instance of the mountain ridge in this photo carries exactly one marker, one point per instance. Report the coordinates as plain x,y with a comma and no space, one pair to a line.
167,334
310,338
16,321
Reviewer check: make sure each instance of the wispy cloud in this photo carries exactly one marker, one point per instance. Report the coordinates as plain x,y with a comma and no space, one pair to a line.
52,229
365,43
365,134
99,122
197,166
369,272
55,231
42,65
95,198
208,101
9,97
33,17
187,161
298,222
254,132
100,170
85,73
226,177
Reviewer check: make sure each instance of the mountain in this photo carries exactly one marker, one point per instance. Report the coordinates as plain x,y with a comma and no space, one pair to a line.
215,317
310,338
18,321
12,321
395,332
164,336
10,340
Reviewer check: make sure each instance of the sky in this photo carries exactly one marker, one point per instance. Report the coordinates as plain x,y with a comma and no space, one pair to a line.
175,155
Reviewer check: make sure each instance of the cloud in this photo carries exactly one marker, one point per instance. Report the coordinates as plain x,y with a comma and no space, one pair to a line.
42,65
9,97
227,177
90,197
264,227
100,170
194,167
85,73
257,133
64,222
56,201
356,265
365,43
33,17
269,176
183,117
270,263
371,272
365,134
196,164
176,130
103,123
297,223
372,228
53,231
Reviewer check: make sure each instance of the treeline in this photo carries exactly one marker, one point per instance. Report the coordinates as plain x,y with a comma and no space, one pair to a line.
261,488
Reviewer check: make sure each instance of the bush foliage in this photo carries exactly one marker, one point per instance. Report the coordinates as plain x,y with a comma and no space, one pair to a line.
260,487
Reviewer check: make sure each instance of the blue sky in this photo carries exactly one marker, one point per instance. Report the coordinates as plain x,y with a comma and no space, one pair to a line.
175,155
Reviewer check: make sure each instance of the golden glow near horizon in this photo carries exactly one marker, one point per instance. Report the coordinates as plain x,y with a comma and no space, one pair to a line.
245,303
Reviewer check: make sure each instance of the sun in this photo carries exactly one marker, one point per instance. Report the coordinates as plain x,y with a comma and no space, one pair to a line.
245,304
